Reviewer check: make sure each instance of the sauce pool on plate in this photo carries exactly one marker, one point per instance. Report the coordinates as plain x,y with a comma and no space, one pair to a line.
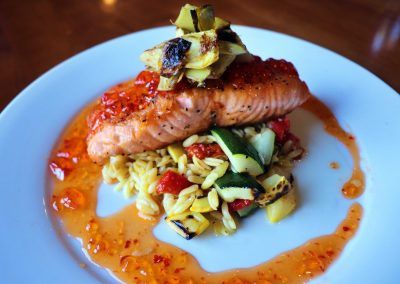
354,187
125,245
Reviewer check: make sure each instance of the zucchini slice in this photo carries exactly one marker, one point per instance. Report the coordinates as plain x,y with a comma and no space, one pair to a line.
275,187
230,194
264,143
189,224
243,156
234,186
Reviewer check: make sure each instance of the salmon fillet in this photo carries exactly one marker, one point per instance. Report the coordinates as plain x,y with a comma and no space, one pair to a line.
248,93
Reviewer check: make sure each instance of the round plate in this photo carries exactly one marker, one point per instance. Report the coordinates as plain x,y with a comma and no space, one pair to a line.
35,250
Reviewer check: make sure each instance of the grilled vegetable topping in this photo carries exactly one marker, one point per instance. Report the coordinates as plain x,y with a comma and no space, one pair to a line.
219,67
187,19
226,47
203,48
230,36
198,75
173,56
167,84
206,18
152,57
220,24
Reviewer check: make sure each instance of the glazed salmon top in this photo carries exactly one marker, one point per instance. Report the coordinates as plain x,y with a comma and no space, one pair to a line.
119,102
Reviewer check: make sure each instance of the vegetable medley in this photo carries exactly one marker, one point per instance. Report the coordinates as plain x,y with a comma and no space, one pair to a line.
213,179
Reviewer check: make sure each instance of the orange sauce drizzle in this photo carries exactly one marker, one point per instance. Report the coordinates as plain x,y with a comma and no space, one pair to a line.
124,243
354,187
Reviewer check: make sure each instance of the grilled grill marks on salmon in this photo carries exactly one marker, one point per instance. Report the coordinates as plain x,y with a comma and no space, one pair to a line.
251,93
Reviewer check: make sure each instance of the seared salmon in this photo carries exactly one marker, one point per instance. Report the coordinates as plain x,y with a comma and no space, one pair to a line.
133,117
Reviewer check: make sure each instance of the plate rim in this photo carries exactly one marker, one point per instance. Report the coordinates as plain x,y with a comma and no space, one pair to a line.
26,90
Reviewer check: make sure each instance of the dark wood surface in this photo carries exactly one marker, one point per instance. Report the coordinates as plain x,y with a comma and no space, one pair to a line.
37,34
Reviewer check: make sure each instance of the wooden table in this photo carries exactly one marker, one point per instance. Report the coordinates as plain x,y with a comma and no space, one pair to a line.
35,35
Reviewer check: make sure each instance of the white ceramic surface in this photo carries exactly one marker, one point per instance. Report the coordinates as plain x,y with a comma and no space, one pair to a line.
34,250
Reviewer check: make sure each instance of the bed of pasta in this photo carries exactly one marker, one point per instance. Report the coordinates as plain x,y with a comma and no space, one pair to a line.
199,205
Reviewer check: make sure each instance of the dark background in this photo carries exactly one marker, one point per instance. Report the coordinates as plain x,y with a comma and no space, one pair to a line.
37,34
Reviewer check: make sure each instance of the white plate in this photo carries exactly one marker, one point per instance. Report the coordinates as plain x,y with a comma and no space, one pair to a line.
33,250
